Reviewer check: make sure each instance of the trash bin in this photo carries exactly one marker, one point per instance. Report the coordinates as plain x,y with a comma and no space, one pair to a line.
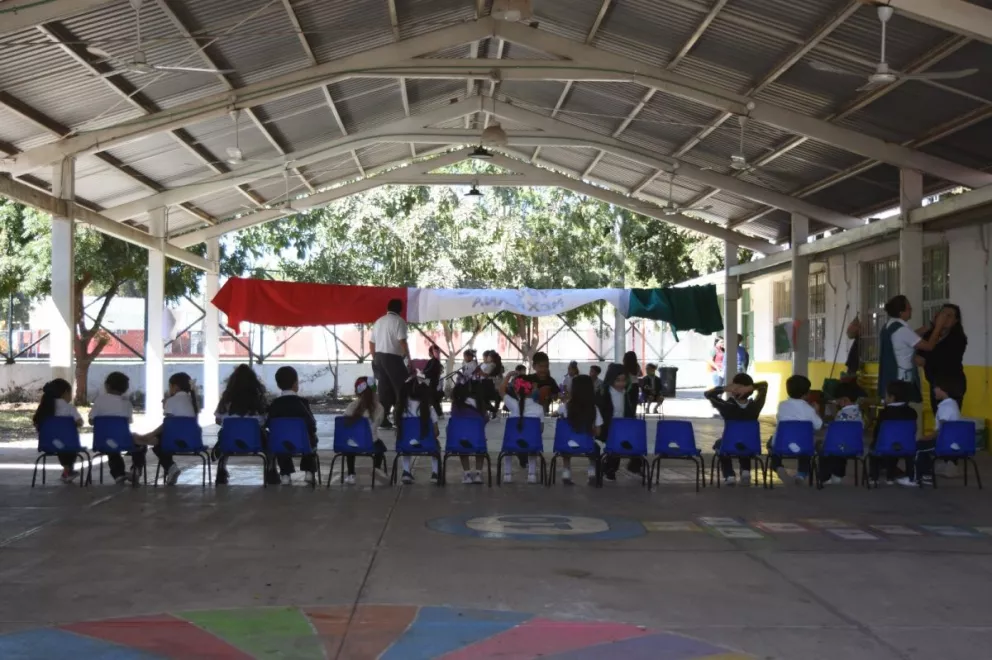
668,377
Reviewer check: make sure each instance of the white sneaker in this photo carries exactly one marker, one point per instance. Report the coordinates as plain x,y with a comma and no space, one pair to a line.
286,479
532,478
782,473
121,480
730,481
566,477
172,476
835,481
380,474
948,470
349,480
310,478
467,478
434,477
477,477
907,482
745,477
507,478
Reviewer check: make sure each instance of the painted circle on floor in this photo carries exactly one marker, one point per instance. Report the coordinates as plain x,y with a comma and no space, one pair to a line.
540,527
387,632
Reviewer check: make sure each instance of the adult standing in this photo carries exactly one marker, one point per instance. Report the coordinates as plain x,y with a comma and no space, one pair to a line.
946,359
898,344
632,367
389,354
715,363
743,357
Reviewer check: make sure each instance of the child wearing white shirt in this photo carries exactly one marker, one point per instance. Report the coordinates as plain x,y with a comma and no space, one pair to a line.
113,402
415,402
833,469
521,396
796,409
584,417
56,401
180,401
945,390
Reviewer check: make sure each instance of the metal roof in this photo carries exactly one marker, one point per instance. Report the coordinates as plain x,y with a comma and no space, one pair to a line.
52,89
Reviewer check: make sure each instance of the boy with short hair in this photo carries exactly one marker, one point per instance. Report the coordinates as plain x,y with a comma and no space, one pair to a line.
740,406
594,372
651,388
290,404
897,396
946,390
796,409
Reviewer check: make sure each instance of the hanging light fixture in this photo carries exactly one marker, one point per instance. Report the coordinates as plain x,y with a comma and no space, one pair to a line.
481,153
473,196
512,10
494,135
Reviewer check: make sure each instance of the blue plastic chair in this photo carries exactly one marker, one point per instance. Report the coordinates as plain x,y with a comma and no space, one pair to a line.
112,435
352,438
411,442
844,440
794,439
741,439
59,435
896,439
570,443
289,436
182,436
525,439
676,439
466,436
956,440
242,436
628,438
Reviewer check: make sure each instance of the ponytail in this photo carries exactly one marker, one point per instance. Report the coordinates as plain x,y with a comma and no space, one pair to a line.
182,382
50,393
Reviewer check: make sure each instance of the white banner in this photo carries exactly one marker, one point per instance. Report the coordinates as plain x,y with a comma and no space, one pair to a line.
447,304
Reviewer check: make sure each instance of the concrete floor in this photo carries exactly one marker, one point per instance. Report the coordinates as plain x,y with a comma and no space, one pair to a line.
670,561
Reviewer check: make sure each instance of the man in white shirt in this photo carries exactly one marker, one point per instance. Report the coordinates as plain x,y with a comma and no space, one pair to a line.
796,409
390,352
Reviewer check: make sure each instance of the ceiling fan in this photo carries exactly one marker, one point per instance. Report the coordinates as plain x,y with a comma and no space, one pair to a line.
137,61
234,154
883,75
674,209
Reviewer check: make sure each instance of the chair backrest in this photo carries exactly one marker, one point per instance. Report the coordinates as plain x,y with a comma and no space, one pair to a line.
466,435
844,439
58,434
897,437
412,441
353,436
741,438
567,441
526,439
675,437
181,435
793,438
289,435
112,434
956,439
240,435
627,437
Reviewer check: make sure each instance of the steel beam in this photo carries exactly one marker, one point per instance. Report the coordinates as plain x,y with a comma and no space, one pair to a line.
23,14
958,16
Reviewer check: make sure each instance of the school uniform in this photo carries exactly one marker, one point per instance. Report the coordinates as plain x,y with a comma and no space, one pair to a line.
613,403
947,411
65,409
651,386
117,405
433,372
413,411
733,410
179,404
795,410
891,412
833,466
289,404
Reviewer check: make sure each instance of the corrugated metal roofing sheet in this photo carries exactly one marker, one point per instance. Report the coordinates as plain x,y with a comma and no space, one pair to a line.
648,30
338,28
572,159
727,46
568,18
418,17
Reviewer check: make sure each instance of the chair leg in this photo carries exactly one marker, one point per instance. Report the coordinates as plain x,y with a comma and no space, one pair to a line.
978,477
499,469
656,470
489,468
330,472
84,457
317,477
551,475
713,471
373,473
34,477
392,477
265,469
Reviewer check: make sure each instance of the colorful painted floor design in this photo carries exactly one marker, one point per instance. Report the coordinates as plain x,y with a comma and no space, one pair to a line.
385,632
738,528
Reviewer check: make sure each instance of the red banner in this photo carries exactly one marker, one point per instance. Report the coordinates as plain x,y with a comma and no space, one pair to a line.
295,304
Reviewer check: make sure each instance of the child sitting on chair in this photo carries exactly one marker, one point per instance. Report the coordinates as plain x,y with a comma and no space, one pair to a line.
463,404
897,396
583,417
615,400
244,396
180,401
366,404
740,406
651,389
796,409
290,404
113,402
833,469
946,390
415,402
56,401
523,398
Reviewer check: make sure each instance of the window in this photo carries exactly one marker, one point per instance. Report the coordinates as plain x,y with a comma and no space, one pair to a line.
936,282
879,283
818,315
782,314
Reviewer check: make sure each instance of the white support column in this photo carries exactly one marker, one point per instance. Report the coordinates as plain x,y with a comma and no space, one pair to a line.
911,241
63,331
800,296
731,292
211,334
155,302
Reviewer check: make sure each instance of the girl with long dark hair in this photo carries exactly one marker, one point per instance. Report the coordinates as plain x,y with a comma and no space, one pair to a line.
415,402
433,372
366,404
584,417
180,401
243,396
56,401
464,404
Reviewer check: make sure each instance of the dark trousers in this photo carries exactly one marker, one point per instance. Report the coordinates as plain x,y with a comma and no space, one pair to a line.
164,458
727,463
67,460
803,461
390,373
923,465
877,465
116,462
438,397
831,466
378,460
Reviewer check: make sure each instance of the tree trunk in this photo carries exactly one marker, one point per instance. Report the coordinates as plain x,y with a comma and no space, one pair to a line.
82,374
449,343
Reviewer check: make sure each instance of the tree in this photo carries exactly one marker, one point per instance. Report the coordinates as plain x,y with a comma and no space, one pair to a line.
104,267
